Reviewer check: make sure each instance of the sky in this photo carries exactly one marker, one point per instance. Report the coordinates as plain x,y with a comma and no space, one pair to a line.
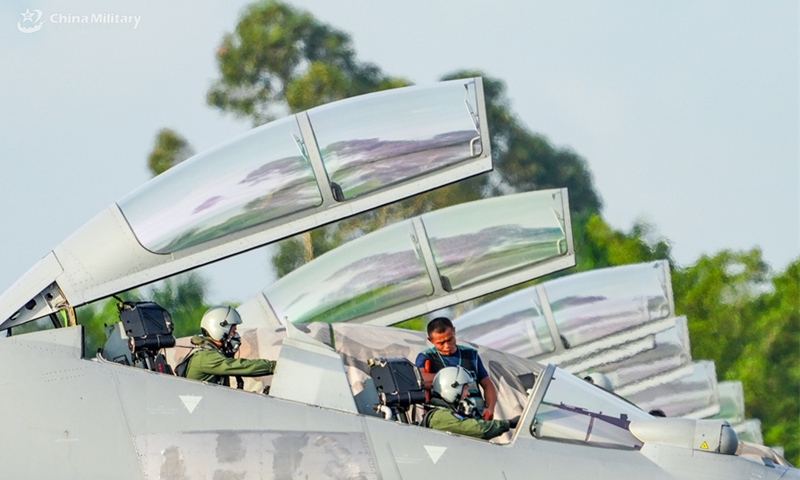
686,112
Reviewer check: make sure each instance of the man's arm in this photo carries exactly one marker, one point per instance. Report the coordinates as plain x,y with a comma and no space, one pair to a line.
449,421
489,396
215,363
489,392
427,378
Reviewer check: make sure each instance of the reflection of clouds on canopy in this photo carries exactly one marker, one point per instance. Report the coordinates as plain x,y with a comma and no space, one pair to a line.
255,178
413,113
378,270
359,166
671,351
451,250
352,279
384,278
372,141
368,143
387,267
512,306
583,321
686,395
386,258
283,181
209,203
354,154
594,304
272,190
360,277
611,282
514,324
285,171
585,307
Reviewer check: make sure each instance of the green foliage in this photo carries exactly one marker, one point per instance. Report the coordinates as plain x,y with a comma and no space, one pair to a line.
597,245
170,149
416,323
183,296
280,59
43,323
769,366
94,317
524,161
716,296
749,324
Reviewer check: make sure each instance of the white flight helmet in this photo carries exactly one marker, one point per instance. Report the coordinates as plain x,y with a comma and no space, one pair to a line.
449,383
218,321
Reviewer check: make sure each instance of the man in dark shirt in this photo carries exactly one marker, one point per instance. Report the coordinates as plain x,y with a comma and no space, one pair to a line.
445,353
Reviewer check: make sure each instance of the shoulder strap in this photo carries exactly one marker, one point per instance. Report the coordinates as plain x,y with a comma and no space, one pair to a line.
469,359
183,366
436,361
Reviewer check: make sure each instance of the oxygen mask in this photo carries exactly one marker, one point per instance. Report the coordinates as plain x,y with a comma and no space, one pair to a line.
471,403
231,344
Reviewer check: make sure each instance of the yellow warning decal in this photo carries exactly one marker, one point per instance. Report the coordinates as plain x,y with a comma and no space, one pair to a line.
704,446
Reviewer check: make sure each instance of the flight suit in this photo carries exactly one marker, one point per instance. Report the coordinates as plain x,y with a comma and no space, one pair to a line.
448,420
207,364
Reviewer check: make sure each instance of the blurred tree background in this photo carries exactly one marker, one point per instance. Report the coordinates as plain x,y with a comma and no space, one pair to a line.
280,60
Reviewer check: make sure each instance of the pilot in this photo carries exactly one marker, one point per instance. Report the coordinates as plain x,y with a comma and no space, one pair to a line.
211,359
453,410
445,353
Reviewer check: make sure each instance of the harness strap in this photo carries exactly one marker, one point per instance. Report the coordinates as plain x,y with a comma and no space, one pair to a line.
183,366
469,362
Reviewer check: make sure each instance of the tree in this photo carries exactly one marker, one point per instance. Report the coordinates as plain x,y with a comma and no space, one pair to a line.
525,161
170,149
748,322
716,294
769,367
184,298
598,245
94,317
281,60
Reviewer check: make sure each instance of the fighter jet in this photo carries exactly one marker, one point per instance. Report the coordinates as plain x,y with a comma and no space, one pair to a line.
72,417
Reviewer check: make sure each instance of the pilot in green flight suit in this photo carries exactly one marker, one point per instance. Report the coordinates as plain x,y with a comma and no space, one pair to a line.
211,359
452,410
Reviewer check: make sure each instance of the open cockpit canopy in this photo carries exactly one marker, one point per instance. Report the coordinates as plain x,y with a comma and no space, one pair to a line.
425,263
272,182
566,320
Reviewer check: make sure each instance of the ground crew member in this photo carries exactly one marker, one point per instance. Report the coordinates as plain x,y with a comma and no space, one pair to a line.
445,353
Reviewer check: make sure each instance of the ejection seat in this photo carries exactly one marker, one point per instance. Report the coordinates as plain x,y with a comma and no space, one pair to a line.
139,338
